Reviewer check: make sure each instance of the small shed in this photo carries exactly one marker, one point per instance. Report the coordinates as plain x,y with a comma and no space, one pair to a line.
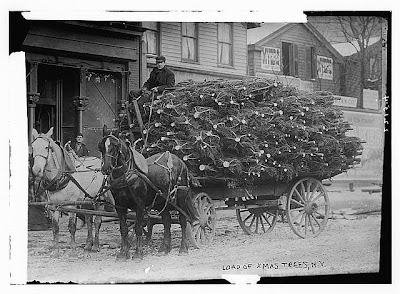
296,54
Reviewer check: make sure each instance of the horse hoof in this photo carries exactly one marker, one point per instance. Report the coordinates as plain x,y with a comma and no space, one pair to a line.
123,257
55,254
162,253
138,256
95,249
88,248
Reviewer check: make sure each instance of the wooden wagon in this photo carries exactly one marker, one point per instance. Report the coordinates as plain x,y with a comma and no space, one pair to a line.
303,203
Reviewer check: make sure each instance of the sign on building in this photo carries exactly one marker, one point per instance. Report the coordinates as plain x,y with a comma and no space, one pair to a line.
345,101
370,99
271,58
324,67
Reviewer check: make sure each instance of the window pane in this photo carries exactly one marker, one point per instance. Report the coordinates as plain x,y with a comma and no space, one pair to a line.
189,29
188,48
224,32
150,37
224,53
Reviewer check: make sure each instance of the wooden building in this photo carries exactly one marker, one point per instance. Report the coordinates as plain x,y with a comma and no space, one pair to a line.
371,89
197,51
77,72
295,54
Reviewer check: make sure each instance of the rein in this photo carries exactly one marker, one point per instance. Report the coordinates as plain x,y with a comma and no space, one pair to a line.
131,168
62,178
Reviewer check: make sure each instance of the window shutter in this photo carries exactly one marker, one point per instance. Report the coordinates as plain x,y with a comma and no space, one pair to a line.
296,59
308,63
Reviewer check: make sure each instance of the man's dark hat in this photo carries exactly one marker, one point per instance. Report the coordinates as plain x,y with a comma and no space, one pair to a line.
160,59
79,134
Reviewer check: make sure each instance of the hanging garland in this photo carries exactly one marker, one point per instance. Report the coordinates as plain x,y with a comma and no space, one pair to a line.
98,77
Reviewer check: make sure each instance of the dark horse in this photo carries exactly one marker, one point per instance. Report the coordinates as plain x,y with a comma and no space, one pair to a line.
165,187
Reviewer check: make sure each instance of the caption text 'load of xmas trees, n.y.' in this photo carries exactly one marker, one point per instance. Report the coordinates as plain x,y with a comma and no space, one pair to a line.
249,131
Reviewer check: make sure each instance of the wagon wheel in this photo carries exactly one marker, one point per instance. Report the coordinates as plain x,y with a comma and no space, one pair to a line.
257,220
307,208
202,230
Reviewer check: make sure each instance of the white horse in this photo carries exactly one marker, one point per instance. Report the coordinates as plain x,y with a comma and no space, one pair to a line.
55,168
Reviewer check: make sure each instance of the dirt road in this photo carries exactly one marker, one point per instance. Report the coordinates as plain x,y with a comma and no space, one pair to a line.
345,246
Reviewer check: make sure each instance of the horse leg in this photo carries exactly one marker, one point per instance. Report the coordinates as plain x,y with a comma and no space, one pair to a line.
149,226
89,238
97,225
139,232
166,244
72,228
123,228
55,217
184,242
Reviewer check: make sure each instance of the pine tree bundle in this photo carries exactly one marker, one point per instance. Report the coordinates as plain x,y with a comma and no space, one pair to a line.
251,131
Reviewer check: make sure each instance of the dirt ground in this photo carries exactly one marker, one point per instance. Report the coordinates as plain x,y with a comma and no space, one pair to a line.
345,246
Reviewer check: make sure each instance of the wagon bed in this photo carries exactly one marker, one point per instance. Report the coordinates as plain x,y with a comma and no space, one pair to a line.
303,201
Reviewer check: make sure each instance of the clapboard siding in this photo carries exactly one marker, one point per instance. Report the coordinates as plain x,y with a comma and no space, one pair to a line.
81,42
170,36
303,38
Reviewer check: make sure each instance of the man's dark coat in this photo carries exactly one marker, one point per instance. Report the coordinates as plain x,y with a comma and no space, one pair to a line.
161,79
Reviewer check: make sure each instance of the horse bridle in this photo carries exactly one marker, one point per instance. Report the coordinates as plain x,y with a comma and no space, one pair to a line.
48,149
114,157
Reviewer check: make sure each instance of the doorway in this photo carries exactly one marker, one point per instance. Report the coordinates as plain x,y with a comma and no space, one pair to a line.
57,86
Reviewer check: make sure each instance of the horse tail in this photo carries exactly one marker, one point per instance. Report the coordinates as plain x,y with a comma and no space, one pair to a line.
189,207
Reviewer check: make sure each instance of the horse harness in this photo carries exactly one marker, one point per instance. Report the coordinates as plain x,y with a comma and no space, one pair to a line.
124,181
61,180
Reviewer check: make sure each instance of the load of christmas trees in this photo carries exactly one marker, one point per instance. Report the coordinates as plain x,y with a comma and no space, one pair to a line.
250,131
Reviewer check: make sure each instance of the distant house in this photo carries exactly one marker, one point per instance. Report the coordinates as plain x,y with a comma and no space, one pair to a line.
197,51
372,84
296,54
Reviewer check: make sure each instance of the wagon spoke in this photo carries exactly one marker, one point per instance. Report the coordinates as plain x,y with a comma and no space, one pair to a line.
318,196
311,225
196,228
202,234
298,209
249,216
198,232
301,220
303,190
209,223
266,219
300,196
295,201
203,203
305,224
262,223
308,190
297,216
313,192
315,220
252,220
257,223
207,209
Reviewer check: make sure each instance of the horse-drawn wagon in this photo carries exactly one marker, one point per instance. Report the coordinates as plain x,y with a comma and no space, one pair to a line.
259,149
